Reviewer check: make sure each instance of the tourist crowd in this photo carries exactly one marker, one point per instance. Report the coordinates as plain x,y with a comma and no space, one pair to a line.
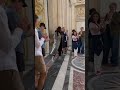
104,38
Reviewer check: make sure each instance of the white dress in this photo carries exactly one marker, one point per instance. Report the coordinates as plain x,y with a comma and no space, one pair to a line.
56,43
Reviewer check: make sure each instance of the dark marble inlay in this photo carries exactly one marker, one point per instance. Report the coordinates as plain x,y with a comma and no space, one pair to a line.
53,72
66,82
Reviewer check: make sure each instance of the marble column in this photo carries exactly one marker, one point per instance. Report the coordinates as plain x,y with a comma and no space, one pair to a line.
73,17
59,12
52,19
65,14
70,24
46,22
68,20
68,16
52,14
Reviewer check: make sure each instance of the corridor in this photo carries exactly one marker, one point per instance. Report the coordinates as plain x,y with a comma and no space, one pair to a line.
65,73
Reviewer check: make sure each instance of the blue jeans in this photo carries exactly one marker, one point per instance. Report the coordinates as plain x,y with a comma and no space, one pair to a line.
115,49
79,47
82,49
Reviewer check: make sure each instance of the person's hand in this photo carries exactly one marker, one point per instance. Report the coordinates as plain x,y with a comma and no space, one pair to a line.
47,39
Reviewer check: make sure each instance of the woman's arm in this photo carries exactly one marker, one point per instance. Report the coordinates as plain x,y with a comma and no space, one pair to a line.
93,28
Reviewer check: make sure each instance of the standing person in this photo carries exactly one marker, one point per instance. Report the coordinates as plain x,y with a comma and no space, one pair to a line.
79,42
39,60
72,40
57,39
97,46
75,43
107,41
8,67
42,27
64,41
67,38
115,27
13,10
91,54
82,40
60,49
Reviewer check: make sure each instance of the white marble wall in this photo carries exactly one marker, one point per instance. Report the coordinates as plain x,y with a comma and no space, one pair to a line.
79,25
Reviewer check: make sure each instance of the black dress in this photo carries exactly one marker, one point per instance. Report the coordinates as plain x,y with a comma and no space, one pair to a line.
61,45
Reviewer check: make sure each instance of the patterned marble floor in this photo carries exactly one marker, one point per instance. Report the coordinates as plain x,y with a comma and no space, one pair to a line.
77,79
65,73
110,81
79,62
77,74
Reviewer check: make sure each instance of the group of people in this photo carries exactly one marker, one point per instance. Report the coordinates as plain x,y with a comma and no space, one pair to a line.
59,48
40,67
78,41
14,28
60,42
104,37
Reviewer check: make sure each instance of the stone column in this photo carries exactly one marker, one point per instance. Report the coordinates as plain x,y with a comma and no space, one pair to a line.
50,16
65,14
52,19
68,20
46,22
73,16
68,16
70,24
54,13
59,12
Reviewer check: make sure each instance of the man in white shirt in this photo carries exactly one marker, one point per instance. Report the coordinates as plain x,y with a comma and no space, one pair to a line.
9,75
39,60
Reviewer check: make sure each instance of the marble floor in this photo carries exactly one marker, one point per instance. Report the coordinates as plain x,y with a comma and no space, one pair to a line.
108,80
65,73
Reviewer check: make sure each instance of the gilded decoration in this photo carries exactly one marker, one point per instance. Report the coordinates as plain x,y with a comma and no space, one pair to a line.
39,9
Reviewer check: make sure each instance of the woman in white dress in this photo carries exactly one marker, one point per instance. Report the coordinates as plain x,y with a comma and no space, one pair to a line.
56,44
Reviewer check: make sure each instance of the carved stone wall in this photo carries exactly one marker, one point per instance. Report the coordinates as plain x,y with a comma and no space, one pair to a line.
41,11
80,12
